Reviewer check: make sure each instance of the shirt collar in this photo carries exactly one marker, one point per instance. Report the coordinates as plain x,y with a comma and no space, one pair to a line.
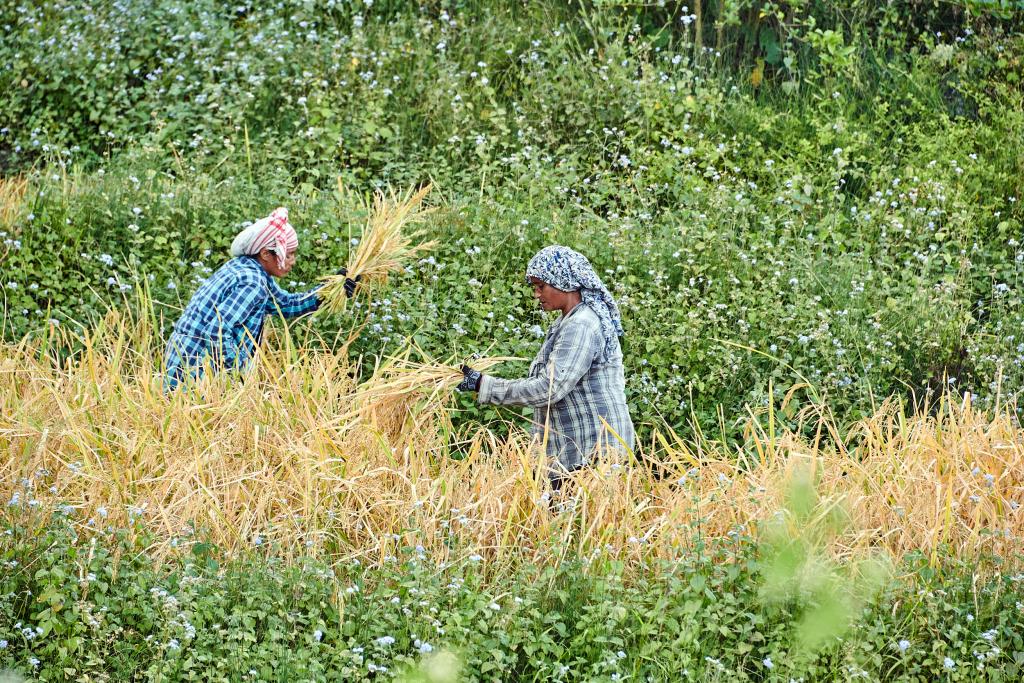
252,263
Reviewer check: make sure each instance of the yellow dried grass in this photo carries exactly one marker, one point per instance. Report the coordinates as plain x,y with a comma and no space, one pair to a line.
12,195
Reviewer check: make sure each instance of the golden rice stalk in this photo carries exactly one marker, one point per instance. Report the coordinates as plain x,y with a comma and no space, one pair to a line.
12,192
385,246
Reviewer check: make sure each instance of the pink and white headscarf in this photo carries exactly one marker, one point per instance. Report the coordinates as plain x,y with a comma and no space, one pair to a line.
273,232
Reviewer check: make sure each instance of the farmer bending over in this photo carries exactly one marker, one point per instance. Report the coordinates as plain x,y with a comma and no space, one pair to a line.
576,380
223,321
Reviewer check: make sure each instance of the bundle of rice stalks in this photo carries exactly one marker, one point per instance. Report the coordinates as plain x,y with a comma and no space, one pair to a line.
404,377
389,396
385,246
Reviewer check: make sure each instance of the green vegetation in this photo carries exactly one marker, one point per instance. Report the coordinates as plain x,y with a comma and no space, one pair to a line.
88,603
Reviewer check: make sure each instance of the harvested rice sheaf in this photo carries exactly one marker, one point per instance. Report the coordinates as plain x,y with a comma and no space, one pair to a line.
387,397
387,245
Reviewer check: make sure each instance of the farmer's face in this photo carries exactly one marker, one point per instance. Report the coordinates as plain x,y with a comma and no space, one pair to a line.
549,298
269,262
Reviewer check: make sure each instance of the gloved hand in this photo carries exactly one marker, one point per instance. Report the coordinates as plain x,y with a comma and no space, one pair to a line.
350,284
470,380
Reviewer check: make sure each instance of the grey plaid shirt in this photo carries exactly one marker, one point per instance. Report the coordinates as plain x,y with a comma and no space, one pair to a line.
570,390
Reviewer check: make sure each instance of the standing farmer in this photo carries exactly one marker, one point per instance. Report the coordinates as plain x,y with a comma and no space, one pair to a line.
223,321
576,382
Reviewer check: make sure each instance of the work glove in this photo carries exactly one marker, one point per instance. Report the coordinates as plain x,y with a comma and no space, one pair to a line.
470,380
350,284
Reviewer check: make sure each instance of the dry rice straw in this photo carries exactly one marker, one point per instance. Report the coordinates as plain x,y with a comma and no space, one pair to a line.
385,246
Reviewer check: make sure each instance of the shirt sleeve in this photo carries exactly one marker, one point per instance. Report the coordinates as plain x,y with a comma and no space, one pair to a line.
239,307
291,305
571,358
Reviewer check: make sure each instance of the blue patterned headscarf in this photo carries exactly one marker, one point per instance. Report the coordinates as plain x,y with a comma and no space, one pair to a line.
570,271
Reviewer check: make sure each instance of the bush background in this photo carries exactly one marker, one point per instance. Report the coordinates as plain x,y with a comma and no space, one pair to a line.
837,188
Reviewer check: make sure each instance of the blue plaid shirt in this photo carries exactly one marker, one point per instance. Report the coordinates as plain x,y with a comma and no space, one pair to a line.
224,319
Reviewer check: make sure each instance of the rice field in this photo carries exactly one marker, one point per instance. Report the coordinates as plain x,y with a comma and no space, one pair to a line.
301,457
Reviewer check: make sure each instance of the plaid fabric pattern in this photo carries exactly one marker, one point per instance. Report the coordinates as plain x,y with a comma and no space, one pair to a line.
224,319
570,390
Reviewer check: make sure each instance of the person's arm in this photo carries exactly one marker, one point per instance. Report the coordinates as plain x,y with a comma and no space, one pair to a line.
571,358
291,305
243,303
